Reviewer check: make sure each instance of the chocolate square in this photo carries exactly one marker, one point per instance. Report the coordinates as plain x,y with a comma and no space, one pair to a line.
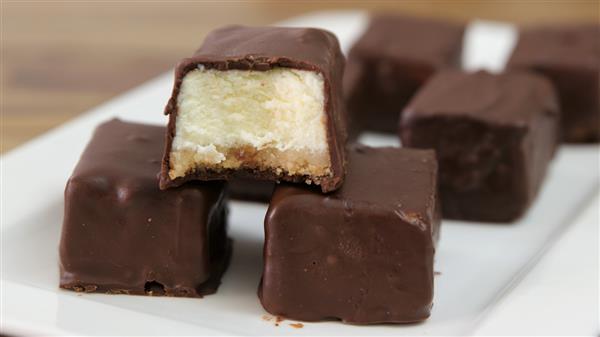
494,136
363,254
122,234
570,57
390,62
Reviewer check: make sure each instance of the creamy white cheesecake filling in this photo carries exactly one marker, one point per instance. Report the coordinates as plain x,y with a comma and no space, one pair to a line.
268,120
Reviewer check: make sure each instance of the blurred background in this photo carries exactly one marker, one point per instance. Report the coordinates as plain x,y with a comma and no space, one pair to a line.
60,58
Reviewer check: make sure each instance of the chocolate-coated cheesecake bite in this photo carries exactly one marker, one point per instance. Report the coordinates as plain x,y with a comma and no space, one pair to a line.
570,57
122,235
258,102
494,136
362,254
390,62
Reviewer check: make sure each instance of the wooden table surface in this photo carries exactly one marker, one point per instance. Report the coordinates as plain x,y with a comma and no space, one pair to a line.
60,58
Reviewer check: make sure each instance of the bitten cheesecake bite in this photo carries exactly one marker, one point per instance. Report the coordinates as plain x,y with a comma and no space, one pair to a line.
570,57
362,254
494,136
390,62
122,235
258,102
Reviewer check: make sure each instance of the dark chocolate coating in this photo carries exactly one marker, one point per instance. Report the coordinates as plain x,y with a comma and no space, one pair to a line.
250,189
390,62
122,234
570,57
261,49
363,254
494,136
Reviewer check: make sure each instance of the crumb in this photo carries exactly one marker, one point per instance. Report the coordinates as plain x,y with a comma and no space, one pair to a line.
266,318
437,273
278,319
297,325
90,288
412,218
85,288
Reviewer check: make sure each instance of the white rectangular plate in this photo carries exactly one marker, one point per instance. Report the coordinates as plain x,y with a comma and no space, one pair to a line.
478,263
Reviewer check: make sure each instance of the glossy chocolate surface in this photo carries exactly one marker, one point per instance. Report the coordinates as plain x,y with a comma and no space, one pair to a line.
121,234
494,136
390,62
250,189
261,49
363,254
